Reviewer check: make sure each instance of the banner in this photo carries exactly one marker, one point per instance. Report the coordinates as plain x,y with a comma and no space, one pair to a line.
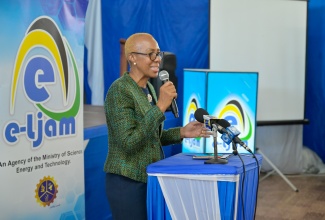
41,144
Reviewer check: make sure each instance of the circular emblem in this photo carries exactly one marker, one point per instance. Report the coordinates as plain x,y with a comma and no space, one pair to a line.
46,191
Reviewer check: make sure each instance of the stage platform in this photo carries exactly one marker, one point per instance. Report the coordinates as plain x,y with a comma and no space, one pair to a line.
94,121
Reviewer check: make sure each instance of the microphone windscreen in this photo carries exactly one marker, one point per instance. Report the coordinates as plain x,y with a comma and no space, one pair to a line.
164,75
224,123
198,114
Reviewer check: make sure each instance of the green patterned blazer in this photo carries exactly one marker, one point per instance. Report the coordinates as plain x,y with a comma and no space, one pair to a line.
135,129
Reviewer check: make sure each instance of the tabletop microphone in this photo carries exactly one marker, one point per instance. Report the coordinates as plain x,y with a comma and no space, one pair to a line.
164,77
201,115
212,123
229,133
232,135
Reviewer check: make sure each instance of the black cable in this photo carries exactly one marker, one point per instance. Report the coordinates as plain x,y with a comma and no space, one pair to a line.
258,179
235,152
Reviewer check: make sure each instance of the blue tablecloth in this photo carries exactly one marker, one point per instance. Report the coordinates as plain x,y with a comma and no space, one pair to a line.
229,192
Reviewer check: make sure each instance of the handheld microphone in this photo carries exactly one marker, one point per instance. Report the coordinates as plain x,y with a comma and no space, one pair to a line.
164,77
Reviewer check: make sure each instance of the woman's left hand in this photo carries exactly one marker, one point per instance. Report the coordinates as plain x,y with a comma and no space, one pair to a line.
195,129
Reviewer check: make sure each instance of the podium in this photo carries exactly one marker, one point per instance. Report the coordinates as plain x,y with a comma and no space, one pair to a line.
180,187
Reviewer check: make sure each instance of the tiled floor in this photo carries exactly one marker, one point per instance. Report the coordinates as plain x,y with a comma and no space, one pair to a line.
278,201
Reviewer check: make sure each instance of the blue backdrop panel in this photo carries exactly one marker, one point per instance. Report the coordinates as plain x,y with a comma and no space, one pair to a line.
233,97
194,97
180,27
315,78
228,95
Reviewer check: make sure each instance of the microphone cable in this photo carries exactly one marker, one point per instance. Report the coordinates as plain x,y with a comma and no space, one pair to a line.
235,152
258,179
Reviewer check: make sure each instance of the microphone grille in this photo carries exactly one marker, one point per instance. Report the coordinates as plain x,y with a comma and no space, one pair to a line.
224,123
163,75
198,114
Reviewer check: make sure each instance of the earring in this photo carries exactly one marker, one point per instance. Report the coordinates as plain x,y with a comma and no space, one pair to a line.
134,64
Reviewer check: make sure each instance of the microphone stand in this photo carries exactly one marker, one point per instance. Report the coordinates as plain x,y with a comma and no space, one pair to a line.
234,148
215,160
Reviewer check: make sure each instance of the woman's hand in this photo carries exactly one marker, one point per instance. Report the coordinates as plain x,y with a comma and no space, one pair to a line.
167,93
195,129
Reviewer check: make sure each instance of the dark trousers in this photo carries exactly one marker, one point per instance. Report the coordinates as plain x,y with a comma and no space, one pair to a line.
127,198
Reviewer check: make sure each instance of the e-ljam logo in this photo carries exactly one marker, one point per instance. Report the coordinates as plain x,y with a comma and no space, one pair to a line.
192,107
38,72
235,114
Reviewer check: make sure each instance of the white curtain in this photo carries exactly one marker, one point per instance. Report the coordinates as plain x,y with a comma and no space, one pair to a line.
194,196
93,43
